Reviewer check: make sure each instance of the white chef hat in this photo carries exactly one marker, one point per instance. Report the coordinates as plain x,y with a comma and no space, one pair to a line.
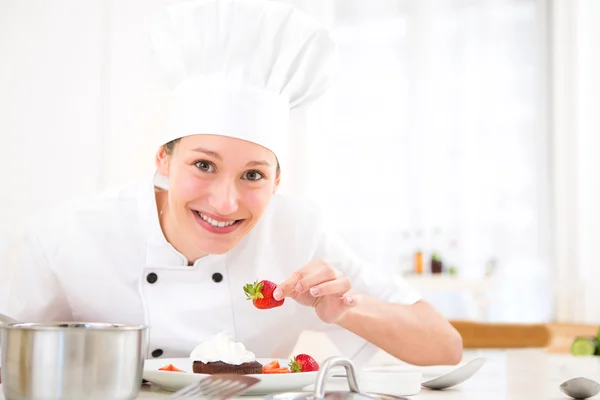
237,67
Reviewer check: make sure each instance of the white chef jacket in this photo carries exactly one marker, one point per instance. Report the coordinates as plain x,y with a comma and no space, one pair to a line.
105,259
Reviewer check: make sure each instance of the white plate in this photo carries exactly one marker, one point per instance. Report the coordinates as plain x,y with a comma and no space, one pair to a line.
269,383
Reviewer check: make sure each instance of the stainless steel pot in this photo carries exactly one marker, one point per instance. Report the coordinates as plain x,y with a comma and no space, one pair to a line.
71,361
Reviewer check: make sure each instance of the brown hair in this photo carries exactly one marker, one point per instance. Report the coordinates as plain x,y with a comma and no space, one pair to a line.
169,147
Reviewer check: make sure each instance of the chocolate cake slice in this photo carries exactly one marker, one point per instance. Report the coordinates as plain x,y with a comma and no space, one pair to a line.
219,367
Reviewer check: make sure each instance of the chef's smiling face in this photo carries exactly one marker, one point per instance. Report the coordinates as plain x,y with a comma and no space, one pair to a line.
218,189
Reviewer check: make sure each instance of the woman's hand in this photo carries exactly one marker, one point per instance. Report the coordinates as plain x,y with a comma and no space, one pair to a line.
321,286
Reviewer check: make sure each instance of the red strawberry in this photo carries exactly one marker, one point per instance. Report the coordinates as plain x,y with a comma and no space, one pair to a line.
303,363
261,294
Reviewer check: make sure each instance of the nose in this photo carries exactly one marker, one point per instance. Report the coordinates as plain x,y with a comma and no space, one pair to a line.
224,197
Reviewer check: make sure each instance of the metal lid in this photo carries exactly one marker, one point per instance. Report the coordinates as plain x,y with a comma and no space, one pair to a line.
97,326
328,395
320,394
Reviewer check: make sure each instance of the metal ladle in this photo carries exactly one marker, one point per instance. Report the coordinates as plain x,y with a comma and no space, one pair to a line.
580,388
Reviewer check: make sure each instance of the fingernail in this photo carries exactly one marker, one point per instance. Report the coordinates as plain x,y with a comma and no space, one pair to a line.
349,299
277,294
298,287
315,291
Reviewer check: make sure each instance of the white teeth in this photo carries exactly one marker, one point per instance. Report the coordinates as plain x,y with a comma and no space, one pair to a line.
213,222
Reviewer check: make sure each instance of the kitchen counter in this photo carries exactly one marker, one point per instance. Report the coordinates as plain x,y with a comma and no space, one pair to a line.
508,374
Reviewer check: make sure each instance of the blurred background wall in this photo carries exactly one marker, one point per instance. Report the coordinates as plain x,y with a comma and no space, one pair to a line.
460,131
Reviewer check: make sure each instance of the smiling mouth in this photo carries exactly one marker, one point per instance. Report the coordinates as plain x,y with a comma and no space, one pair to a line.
215,223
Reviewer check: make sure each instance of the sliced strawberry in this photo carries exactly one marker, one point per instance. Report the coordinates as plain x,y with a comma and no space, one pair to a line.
272,365
171,368
277,371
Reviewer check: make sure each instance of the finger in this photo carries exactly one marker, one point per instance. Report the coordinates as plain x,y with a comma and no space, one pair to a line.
323,274
287,287
349,300
330,288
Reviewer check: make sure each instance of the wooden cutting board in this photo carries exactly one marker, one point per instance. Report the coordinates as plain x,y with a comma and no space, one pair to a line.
502,335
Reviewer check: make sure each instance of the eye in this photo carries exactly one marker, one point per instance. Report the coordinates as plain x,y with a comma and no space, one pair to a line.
253,175
205,166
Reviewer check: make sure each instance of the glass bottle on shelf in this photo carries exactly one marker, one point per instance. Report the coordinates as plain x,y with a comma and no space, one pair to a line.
452,258
418,254
436,264
419,262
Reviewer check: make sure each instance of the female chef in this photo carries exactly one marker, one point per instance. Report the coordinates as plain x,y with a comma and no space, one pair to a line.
175,251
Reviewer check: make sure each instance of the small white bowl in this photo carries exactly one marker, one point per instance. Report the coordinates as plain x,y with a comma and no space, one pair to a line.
399,383
396,383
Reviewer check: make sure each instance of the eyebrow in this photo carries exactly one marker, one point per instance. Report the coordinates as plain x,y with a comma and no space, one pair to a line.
218,157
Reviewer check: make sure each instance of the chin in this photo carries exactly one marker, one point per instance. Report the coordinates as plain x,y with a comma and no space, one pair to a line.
219,248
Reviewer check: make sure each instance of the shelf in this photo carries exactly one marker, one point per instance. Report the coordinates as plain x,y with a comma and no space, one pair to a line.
447,283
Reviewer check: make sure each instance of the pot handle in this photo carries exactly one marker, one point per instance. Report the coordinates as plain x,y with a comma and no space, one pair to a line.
351,377
4,319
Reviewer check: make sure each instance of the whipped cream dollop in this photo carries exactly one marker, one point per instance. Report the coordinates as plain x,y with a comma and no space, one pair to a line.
221,347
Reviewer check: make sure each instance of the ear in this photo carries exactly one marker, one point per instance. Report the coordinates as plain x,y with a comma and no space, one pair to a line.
277,182
162,161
